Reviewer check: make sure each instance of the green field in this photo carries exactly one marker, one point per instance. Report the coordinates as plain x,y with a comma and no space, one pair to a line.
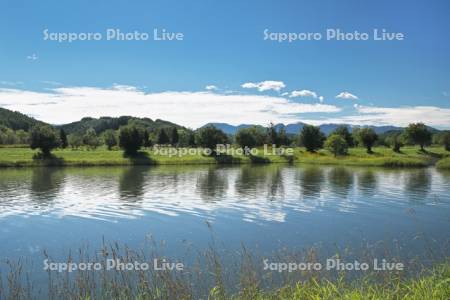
381,156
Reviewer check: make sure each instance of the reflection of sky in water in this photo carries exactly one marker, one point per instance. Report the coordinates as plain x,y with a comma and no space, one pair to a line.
254,194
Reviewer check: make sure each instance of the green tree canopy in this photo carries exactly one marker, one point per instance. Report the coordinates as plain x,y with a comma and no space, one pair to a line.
311,138
209,137
419,134
109,138
131,138
336,144
45,138
367,137
345,134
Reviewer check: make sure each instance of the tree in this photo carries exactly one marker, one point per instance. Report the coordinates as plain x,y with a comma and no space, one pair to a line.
147,141
109,138
395,141
445,140
90,138
45,138
272,135
419,134
63,138
250,137
345,134
209,137
311,138
283,139
367,138
163,139
174,137
336,144
75,140
131,139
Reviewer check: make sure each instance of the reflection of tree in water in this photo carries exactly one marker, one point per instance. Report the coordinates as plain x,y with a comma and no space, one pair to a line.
45,184
250,180
367,182
131,183
341,180
418,184
212,185
275,184
311,181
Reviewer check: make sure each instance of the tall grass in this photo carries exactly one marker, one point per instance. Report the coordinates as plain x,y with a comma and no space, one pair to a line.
215,274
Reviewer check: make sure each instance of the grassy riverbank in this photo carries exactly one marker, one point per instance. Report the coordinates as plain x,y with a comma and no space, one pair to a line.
381,156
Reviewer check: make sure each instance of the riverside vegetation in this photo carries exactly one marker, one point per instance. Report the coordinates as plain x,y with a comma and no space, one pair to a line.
174,145
208,278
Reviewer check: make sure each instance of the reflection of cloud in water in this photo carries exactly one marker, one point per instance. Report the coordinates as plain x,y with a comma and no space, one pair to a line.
251,193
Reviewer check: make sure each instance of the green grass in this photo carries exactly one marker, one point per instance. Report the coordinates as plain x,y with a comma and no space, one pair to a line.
443,163
382,156
435,285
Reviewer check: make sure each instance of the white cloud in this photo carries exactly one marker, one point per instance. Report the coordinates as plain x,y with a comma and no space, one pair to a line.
321,99
303,93
347,95
32,57
284,94
264,85
399,116
68,104
211,87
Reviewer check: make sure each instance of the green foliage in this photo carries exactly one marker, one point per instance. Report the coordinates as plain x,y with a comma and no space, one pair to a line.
63,138
311,138
163,138
75,140
283,139
367,137
336,144
209,137
147,140
15,120
104,123
174,137
418,134
250,137
131,138
442,138
90,139
45,138
345,134
187,138
109,138
272,136
396,141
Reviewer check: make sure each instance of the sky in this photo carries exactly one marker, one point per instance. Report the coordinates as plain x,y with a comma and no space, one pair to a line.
230,65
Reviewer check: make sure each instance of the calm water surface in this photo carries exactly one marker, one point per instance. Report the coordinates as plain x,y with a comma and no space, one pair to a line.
59,209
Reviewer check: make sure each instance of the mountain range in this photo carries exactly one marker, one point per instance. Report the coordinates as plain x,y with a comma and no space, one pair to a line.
297,127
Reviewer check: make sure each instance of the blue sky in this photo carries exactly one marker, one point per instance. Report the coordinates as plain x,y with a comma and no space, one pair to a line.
394,82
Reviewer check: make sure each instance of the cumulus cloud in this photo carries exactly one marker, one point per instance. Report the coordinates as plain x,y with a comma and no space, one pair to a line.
264,85
321,99
347,95
67,104
211,87
303,93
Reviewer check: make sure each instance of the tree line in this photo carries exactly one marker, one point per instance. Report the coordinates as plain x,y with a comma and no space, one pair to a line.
132,137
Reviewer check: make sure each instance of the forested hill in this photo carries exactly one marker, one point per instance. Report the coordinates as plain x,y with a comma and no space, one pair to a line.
104,123
16,120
